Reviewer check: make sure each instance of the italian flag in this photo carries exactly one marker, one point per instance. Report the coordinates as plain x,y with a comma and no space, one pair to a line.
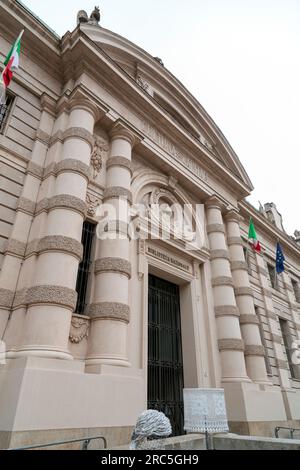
12,61
252,237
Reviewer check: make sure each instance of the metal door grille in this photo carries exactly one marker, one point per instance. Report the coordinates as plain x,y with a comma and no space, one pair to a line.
165,366
88,232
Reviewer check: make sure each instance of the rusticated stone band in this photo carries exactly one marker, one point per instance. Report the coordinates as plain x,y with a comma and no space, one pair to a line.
49,170
237,265
116,265
288,287
80,133
6,298
281,364
110,311
239,291
262,271
32,248
276,338
227,310
213,228
271,314
116,192
267,292
35,170
27,206
231,344
234,241
60,243
76,166
119,161
249,319
15,247
56,295
254,350
42,136
219,254
68,202
222,281
20,298
42,205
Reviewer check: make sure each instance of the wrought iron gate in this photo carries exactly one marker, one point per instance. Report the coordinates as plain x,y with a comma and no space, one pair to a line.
165,366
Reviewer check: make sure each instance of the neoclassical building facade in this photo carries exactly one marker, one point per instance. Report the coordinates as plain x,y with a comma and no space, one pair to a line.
111,300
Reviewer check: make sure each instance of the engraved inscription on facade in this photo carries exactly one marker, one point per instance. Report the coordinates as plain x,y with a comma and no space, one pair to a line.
169,147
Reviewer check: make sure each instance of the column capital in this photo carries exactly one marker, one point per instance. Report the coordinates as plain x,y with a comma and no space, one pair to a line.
233,215
121,130
78,99
214,202
48,104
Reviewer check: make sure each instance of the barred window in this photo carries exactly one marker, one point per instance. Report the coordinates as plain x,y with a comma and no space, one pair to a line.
296,288
287,341
4,112
272,276
88,232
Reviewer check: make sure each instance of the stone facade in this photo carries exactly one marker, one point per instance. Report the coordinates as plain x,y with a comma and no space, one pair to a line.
84,132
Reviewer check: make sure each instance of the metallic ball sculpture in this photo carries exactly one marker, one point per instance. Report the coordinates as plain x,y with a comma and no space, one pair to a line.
150,424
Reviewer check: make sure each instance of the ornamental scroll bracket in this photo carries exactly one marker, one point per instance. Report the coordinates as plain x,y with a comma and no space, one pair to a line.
92,203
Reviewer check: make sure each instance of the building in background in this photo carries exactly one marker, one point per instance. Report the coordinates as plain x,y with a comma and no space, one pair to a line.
101,323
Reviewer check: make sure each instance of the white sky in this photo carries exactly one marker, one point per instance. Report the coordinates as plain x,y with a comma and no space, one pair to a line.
239,58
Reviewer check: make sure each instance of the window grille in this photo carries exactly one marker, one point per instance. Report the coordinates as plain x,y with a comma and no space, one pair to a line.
4,112
88,232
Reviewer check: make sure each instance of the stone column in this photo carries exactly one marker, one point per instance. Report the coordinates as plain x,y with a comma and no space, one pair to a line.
51,298
281,362
15,247
110,312
231,345
254,350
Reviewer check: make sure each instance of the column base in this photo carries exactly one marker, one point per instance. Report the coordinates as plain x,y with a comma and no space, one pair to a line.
43,352
95,364
291,399
250,403
52,396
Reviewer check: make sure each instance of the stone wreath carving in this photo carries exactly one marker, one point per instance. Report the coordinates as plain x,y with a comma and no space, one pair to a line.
79,329
99,151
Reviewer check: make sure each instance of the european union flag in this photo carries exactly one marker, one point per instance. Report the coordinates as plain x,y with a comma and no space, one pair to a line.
279,259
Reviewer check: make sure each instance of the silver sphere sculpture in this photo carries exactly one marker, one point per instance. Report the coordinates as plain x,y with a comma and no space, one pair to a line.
150,424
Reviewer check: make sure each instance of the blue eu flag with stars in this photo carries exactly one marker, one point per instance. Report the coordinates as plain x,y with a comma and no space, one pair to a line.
279,259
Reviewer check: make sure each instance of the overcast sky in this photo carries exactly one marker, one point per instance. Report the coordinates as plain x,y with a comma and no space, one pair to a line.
239,58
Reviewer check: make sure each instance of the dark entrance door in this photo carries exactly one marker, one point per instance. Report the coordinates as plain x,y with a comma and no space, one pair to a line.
165,366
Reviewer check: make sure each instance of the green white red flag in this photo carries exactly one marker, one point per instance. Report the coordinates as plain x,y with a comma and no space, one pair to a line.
12,61
252,237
